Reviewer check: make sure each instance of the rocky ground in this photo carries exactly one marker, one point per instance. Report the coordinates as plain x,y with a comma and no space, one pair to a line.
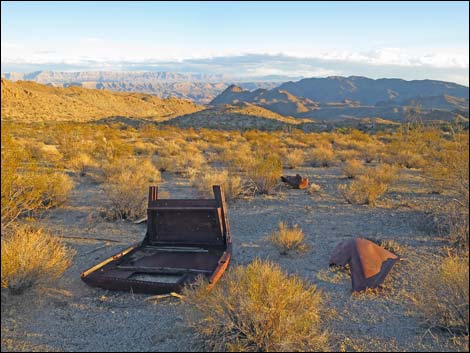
75,317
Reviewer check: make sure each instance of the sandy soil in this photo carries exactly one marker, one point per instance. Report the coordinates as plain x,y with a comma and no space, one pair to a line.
75,317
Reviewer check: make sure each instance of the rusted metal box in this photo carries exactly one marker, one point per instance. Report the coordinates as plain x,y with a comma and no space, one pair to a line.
185,238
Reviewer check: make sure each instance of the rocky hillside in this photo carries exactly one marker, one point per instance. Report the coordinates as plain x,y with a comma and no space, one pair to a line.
30,101
279,101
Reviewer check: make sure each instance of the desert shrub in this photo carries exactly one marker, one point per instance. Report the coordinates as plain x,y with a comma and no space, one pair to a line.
231,183
265,173
448,172
28,188
363,190
321,157
353,168
42,153
258,308
82,164
144,148
367,188
126,186
369,152
238,158
288,239
294,158
30,257
347,155
442,294
385,173
186,162
407,159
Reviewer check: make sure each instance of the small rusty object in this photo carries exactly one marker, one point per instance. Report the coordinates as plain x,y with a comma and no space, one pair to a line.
297,182
369,263
185,239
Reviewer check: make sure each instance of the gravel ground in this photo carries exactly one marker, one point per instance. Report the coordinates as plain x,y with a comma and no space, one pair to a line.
75,317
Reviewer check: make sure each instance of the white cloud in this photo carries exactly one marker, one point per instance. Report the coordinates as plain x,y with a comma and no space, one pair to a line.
446,64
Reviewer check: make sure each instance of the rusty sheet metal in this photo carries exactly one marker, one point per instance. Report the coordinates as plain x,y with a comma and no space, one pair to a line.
297,181
185,239
369,263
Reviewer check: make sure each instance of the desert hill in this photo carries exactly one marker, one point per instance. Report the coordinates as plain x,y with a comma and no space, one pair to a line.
237,117
30,101
276,100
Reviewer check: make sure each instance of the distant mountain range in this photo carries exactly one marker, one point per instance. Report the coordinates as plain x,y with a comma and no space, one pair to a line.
200,88
336,98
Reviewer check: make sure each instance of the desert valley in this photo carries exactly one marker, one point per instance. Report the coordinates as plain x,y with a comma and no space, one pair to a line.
235,176
77,163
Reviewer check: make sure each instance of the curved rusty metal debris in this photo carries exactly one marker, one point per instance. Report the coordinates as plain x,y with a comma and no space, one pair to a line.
369,263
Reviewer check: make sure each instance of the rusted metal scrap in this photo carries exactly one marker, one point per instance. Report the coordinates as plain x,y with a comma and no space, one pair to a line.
185,239
369,263
297,182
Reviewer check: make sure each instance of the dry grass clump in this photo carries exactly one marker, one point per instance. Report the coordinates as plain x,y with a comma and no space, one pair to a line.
289,239
265,173
294,158
442,295
313,189
392,246
353,168
367,188
231,183
126,186
30,257
258,308
322,157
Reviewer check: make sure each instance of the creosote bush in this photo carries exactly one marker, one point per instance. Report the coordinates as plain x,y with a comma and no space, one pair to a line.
353,168
232,184
367,188
82,163
126,185
288,239
322,157
257,308
265,173
28,188
294,158
31,257
442,295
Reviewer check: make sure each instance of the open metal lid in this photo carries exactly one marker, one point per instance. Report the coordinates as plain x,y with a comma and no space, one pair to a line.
187,222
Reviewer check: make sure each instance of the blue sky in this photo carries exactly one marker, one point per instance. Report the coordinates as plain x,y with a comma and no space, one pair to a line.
411,40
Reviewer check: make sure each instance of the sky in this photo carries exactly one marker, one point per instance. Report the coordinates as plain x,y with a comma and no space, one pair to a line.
409,40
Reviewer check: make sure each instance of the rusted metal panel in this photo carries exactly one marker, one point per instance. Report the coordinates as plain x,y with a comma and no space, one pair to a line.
185,239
